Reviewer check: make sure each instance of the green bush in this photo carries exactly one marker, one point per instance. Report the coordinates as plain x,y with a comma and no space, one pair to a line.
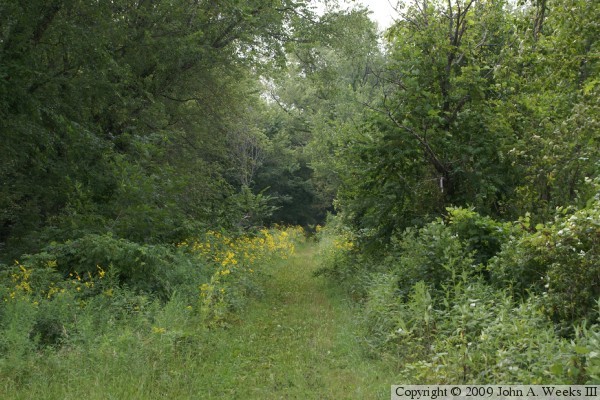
586,346
437,310
17,320
475,334
405,328
147,268
340,260
560,259
436,253
485,338
522,264
482,236
381,310
432,254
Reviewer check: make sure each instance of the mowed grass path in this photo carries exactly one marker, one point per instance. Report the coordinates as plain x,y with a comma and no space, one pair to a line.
296,342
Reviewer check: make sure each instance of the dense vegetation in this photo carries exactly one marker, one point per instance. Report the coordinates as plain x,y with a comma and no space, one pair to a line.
468,194
149,148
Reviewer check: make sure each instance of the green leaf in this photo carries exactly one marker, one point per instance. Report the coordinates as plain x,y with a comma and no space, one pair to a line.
557,369
581,350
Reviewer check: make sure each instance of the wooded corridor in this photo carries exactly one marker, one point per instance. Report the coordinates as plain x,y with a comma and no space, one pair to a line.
280,198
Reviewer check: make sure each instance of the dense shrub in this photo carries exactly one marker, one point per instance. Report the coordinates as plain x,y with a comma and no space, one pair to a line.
432,254
387,318
473,334
467,299
340,258
586,346
482,236
435,253
74,291
561,259
148,268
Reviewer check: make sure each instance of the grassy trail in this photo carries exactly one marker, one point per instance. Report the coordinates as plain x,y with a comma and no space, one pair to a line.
298,341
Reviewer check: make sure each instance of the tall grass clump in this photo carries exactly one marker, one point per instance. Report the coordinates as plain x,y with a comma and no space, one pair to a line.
340,258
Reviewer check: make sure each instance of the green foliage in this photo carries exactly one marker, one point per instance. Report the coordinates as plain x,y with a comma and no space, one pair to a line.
546,95
18,320
433,138
77,294
473,300
486,338
315,103
465,118
559,259
74,292
161,121
249,210
386,318
166,352
433,254
437,253
339,259
471,333
146,268
129,125
587,345
482,236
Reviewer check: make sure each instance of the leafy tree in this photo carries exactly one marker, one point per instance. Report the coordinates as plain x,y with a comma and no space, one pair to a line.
551,97
314,102
119,115
433,138
467,117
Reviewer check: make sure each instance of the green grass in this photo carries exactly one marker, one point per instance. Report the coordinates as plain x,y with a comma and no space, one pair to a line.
296,341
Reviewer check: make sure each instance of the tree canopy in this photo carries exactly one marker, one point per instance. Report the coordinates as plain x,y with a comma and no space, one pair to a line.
151,119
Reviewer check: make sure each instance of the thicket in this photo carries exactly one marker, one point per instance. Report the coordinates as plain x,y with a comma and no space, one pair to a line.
468,299
132,134
144,120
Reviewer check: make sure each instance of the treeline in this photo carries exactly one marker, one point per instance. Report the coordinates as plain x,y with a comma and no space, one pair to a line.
485,104
151,162
140,168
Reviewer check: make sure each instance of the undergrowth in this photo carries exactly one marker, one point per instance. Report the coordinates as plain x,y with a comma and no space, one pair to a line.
103,298
466,299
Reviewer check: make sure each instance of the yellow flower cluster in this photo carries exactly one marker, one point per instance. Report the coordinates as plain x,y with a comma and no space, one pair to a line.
334,245
87,281
158,330
343,244
21,281
235,257
227,253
